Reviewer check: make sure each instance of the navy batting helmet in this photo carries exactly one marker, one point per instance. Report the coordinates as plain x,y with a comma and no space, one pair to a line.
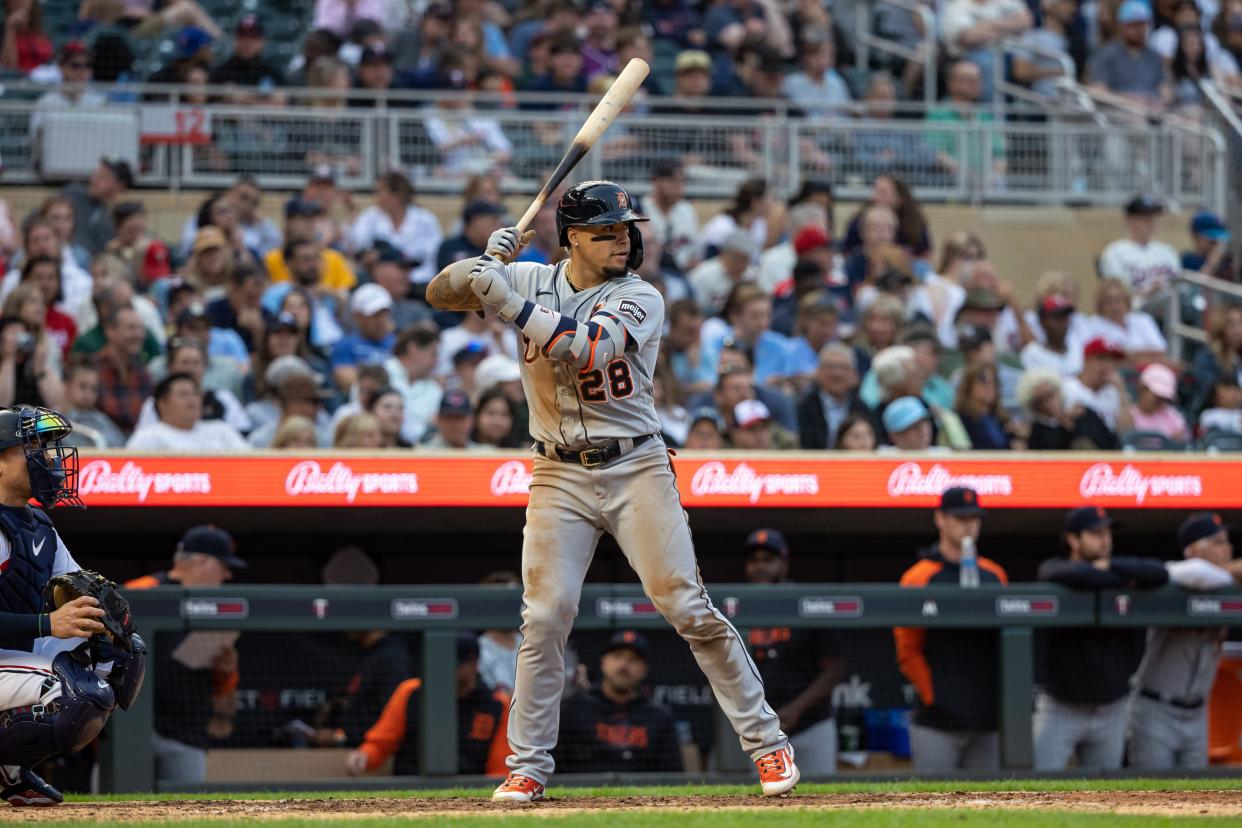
600,203
51,466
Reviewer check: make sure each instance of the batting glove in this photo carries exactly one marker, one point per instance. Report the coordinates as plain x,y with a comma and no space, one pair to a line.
506,243
487,280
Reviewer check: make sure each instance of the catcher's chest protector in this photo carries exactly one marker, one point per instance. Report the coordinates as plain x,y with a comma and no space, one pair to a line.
32,554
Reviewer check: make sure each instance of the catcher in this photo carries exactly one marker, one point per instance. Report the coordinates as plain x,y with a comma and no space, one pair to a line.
52,697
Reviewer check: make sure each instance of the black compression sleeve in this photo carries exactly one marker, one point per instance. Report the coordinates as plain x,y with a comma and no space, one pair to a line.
21,624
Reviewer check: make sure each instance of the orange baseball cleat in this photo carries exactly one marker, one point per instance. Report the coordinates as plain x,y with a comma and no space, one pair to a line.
777,772
518,788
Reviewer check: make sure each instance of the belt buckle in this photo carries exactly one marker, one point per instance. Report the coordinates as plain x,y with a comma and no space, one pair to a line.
586,457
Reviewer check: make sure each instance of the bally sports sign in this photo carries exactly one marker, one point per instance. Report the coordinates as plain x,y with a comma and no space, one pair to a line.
775,480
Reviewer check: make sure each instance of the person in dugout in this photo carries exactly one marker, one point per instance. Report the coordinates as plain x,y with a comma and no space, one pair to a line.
614,726
482,722
195,699
953,671
799,667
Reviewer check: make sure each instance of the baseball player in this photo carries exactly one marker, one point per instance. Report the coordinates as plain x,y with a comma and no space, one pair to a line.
591,331
1168,719
53,701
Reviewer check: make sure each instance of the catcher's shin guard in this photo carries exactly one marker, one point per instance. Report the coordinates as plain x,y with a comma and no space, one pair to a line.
33,732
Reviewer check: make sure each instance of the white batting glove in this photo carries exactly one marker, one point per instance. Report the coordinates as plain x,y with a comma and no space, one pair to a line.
503,243
487,280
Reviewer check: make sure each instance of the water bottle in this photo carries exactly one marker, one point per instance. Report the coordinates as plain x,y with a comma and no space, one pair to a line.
968,568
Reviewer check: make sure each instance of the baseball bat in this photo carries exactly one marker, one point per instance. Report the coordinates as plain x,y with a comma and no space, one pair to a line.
606,111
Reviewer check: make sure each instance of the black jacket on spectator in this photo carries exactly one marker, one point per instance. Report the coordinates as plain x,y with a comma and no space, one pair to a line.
812,425
1093,665
599,735
246,72
1089,432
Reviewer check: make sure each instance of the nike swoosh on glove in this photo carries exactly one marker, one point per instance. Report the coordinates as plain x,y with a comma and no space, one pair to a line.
487,280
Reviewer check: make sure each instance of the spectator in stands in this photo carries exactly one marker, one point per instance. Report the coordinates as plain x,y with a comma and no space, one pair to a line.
495,420
93,203
224,346
1057,351
1133,331
482,716
502,371
469,141
388,407
1039,70
29,359
123,379
676,22
247,66
935,390
752,211
971,29
417,48
188,356
912,229
1143,264
953,671
1053,426
374,73
332,272
717,277
1085,693
396,219
411,371
44,273
371,307
81,396
24,45
488,335
360,430
908,425
735,23
978,407
298,395
1168,726
74,62
391,271
565,70
339,16
197,698
879,148
1100,387
881,321
180,427
211,262
818,89
799,667
259,234
1227,28
106,299
707,430
599,45
58,211
454,423
673,219
1209,251
735,382
1126,66
1183,14
877,232
479,220
1155,410
831,399
613,725
147,258
816,325
749,312
295,433
1222,411
965,87
899,372
809,236
1222,359
683,347
193,47
754,429
240,309
857,433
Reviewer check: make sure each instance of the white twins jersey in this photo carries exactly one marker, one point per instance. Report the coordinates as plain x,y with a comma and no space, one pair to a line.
1145,268
569,408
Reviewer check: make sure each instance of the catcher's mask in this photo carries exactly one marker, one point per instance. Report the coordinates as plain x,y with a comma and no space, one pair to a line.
52,467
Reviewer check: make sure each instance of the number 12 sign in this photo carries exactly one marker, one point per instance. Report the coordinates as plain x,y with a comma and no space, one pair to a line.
176,125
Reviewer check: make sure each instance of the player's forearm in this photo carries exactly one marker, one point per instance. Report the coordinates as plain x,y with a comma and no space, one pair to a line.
584,345
441,294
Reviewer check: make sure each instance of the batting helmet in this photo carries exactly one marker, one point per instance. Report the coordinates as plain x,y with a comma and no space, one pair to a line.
51,466
598,203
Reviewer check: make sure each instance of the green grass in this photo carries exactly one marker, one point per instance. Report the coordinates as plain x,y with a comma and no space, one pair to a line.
731,790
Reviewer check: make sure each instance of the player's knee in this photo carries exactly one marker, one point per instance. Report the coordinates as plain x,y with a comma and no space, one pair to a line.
687,611
543,618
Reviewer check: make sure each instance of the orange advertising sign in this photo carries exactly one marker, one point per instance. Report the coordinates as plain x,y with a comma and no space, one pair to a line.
789,480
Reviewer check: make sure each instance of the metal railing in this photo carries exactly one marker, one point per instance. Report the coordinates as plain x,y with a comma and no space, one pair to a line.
436,613
1193,295
925,53
955,154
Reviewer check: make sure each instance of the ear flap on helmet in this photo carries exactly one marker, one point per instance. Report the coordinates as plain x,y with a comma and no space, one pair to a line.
635,260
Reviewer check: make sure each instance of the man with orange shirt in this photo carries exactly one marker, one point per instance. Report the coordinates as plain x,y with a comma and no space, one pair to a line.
195,696
953,671
482,722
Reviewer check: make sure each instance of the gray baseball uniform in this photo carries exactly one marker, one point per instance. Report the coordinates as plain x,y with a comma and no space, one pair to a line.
634,497
1168,721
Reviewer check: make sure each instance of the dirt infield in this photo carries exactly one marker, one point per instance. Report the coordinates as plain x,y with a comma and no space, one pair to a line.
1158,803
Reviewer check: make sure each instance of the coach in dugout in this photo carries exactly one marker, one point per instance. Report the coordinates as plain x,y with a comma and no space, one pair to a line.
1084,696
799,667
953,671
1168,720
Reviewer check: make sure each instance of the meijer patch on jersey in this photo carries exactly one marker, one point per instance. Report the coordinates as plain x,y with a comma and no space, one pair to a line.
632,308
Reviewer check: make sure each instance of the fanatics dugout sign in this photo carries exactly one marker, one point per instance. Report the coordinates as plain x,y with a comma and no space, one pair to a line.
786,480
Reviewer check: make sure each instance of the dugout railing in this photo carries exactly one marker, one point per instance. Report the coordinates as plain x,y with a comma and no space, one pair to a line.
437,613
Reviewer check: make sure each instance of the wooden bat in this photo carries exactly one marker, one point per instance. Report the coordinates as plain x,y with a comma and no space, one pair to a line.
606,111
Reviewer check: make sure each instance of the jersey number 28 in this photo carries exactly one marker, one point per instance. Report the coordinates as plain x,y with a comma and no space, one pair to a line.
617,377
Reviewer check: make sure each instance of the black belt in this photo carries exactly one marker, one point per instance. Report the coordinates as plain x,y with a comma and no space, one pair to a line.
588,457
1179,703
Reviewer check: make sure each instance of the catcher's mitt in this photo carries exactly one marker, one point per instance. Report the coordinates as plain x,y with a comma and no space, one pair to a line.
117,620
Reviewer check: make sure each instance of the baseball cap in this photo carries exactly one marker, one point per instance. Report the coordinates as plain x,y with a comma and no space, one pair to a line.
972,337
1086,517
120,168
370,299
386,253
455,403
494,369
628,640
1101,347
1160,380
73,48
283,367
283,321
810,238
470,352
706,412
1142,205
298,207
1200,525
1209,225
300,387
208,238
1134,11
982,299
479,207
748,413
739,241
767,539
250,26
960,501
214,541
903,413
375,54
190,40
919,332
1056,305
467,645
692,59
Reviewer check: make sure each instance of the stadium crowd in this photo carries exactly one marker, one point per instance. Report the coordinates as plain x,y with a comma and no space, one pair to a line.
782,330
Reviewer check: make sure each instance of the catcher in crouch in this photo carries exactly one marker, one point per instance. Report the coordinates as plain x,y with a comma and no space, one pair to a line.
52,698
